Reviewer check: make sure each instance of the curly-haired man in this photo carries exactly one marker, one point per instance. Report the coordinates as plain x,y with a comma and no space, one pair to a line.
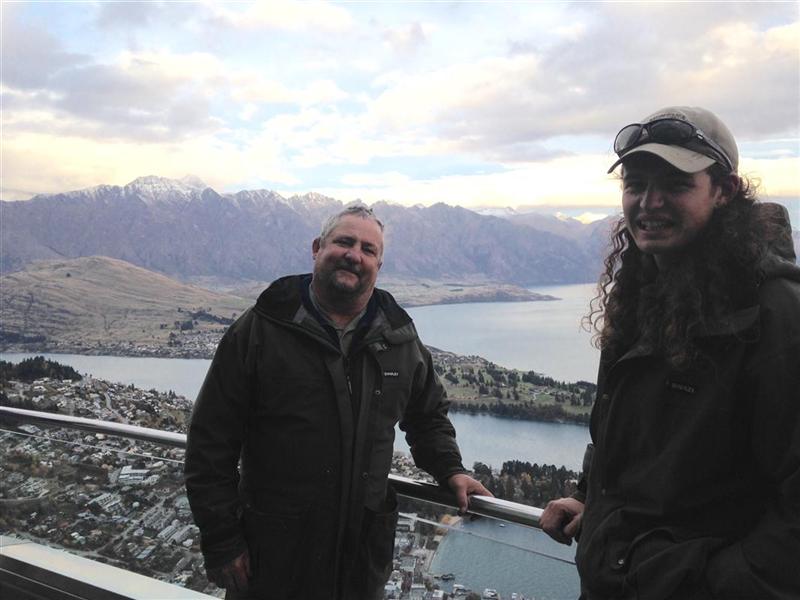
691,488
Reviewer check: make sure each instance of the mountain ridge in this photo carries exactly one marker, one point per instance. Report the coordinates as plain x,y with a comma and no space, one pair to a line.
177,228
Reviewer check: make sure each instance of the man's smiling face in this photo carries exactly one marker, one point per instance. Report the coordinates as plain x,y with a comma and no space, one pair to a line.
666,209
347,261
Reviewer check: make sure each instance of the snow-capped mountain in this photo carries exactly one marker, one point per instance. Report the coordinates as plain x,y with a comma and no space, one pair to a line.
185,228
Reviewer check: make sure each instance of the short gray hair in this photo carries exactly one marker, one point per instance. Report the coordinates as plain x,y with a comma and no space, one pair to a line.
355,210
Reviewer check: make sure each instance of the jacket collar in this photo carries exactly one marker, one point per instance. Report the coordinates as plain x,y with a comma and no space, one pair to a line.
743,324
283,299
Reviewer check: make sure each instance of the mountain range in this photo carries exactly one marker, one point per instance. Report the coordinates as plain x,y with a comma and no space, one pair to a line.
185,229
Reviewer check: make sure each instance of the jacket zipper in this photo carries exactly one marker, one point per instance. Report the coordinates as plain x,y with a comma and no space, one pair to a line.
346,361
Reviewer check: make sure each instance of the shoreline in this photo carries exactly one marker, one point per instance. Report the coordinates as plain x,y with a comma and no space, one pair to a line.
541,413
449,521
495,411
114,351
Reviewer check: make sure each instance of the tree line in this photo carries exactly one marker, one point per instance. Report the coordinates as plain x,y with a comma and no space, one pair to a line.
34,368
526,483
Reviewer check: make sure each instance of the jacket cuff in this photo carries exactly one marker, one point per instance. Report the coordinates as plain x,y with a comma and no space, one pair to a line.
441,478
221,554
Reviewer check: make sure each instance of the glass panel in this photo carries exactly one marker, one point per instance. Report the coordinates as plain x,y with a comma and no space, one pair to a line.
109,499
122,502
442,551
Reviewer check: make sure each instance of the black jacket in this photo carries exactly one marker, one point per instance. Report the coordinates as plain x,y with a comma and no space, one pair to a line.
315,432
693,489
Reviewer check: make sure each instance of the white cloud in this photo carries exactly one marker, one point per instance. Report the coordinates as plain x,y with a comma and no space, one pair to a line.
451,93
576,181
166,66
125,15
252,87
366,64
778,177
389,179
323,91
572,32
37,163
31,55
523,88
407,39
288,15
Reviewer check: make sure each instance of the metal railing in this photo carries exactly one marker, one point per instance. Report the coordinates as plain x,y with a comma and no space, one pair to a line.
419,490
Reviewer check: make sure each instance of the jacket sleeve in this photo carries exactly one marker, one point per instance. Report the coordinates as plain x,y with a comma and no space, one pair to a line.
763,563
583,482
588,454
429,433
216,432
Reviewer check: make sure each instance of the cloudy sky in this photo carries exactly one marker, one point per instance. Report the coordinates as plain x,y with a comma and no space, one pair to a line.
476,104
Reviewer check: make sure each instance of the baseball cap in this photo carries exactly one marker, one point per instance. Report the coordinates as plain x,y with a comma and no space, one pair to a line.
688,137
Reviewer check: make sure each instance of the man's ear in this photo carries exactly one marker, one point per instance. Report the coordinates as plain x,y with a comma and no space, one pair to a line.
315,246
728,188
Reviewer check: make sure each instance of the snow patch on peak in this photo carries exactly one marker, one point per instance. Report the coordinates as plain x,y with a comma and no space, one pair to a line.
146,180
256,198
503,212
310,199
153,189
93,192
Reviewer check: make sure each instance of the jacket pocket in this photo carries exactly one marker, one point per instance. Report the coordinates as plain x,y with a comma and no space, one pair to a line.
275,543
376,552
664,563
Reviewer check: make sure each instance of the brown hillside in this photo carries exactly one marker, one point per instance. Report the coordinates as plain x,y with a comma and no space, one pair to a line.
91,300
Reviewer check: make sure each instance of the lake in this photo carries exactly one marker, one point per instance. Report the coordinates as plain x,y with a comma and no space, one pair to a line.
545,337
485,553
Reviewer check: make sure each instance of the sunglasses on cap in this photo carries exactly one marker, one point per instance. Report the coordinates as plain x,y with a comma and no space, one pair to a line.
671,132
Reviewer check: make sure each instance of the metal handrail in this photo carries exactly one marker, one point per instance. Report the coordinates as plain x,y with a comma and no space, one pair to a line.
411,488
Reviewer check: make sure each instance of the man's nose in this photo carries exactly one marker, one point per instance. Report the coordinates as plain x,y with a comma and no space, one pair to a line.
652,197
353,255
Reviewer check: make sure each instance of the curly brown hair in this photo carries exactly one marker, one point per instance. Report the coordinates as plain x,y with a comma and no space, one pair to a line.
665,309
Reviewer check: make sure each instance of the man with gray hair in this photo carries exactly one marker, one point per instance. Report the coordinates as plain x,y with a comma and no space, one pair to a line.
306,389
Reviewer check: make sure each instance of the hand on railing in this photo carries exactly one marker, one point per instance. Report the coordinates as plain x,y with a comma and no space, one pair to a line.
561,519
234,575
463,486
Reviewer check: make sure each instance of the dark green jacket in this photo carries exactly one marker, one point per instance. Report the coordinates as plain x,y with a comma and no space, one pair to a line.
315,433
693,489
